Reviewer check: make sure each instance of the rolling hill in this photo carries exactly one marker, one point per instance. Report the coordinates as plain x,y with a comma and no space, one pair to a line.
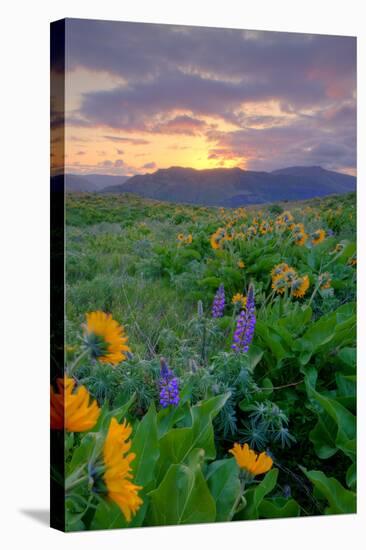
91,183
235,187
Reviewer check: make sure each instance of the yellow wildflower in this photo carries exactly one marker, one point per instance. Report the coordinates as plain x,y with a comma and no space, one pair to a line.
72,408
300,286
250,461
118,472
105,338
239,299
318,236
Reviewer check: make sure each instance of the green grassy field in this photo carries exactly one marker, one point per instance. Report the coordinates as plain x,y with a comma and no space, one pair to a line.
156,267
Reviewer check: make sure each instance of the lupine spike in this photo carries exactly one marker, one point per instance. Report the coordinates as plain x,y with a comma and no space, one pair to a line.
169,386
218,305
245,325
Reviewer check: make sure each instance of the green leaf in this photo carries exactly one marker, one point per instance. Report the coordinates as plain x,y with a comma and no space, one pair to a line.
182,498
255,354
348,357
202,415
323,436
345,421
90,445
279,507
174,446
108,516
145,446
272,340
255,495
210,282
337,328
340,500
351,477
223,482
106,415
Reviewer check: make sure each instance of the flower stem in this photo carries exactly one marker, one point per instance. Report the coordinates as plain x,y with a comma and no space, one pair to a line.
70,369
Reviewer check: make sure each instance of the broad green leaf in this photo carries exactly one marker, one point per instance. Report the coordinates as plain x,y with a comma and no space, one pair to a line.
346,394
348,357
255,495
340,500
279,507
145,446
255,354
344,420
108,516
223,481
272,340
351,477
89,448
174,446
202,415
106,415
182,498
323,436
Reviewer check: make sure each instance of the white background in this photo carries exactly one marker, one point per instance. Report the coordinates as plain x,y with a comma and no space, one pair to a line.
24,233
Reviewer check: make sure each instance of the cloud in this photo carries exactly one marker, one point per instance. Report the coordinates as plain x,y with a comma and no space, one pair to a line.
133,141
149,165
161,87
298,143
109,163
183,124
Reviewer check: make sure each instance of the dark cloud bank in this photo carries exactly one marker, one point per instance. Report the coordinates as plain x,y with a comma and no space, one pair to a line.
175,77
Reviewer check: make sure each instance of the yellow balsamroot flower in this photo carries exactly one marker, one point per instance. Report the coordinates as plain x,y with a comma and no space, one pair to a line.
118,472
338,248
279,283
265,227
324,281
241,264
183,239
239,299
352,261
251,231
286,218
250,461
105,338
298,228
283,277
300,286
217,237
279,269
71,408
318,236
215,241
300,239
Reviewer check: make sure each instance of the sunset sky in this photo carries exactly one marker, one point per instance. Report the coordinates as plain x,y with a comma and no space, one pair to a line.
141,97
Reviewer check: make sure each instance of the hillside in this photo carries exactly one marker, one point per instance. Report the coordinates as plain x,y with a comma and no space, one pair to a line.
235,187
90,183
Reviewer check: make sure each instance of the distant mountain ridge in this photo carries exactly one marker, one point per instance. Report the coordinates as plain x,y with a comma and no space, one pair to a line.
90,183
233,187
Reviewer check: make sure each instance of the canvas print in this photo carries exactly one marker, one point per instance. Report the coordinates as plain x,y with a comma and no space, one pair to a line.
203,263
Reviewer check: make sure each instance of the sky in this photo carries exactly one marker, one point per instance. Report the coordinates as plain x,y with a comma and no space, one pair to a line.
140,97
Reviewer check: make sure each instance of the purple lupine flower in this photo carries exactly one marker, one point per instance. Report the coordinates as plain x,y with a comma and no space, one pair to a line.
219,302
169,386
245,325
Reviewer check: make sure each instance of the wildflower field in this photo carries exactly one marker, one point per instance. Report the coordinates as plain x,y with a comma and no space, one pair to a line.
210,361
